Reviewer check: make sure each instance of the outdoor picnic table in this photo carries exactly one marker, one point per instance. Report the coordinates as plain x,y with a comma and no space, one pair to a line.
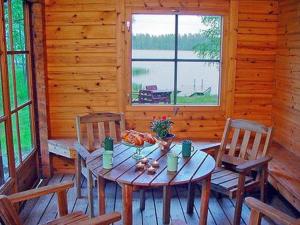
193,169
162,93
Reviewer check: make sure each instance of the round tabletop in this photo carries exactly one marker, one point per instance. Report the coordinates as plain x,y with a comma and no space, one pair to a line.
191,169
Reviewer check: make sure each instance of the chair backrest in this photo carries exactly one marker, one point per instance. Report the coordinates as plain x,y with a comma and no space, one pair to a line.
145,96
96,126
8,214
151,87
245,138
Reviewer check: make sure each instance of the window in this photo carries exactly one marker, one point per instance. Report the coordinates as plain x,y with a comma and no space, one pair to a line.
176,59
16,111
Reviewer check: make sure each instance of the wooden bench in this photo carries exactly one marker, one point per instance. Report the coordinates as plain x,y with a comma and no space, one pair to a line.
284,173
62,154
63,146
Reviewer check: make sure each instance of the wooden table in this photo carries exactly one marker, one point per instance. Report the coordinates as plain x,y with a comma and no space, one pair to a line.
196,168
162,93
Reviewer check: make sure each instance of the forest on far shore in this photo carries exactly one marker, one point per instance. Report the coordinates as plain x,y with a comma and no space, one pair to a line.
186,42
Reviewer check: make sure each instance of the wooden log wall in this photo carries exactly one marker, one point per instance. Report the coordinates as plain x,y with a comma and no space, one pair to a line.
83,39
256,50
81,52
286,112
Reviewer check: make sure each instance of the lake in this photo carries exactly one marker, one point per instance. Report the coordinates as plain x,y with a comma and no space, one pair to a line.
192,76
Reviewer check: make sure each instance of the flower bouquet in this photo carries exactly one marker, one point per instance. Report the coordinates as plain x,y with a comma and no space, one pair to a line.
162,127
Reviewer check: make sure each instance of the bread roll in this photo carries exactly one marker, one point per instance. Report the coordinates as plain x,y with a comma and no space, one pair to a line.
137,138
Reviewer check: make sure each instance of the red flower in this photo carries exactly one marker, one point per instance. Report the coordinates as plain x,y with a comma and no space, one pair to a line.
164,117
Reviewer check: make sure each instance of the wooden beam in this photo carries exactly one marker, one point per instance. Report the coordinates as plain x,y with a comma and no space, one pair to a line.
39,65
232,48
120,37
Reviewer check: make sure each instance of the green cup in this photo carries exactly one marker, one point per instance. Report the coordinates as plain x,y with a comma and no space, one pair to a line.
187,148
172,162
108,144
107,159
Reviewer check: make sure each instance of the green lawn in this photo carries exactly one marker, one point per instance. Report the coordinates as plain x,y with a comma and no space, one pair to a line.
198,100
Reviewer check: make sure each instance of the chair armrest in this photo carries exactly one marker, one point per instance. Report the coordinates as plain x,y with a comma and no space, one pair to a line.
232,160
34,193
271,212
82,151
210,146
102,220
252,164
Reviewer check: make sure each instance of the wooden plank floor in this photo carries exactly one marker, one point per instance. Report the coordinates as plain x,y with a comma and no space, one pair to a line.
221,210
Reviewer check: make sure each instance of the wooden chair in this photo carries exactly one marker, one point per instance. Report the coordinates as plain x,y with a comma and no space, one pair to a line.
151,87
91,131
9,216
259,208
146,96
240,167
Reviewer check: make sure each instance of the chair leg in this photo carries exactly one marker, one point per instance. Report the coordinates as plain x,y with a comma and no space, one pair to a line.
255,217
239,200
191,198
263,182
142,200
78,175
90,194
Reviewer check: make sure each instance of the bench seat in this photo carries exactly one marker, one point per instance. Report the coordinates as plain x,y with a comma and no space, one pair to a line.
284,173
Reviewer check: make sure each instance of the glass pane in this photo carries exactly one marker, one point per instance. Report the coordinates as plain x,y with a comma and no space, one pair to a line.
7,30
11,82
4,171
25,131
15,139
21,79
153,36
155,77
199,37
198,83
18,24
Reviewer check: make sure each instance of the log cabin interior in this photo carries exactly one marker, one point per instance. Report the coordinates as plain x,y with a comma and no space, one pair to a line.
206,65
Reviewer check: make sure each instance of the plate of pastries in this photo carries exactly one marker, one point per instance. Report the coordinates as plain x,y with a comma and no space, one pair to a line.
138,139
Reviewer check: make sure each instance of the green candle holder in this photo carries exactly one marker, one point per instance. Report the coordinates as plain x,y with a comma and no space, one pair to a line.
138,155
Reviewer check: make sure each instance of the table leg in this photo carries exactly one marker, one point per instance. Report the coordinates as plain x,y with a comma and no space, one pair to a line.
101,195
142,200
204,200
166,204
191,198
90,194
127,204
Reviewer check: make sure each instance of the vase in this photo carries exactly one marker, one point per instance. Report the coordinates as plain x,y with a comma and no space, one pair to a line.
166,142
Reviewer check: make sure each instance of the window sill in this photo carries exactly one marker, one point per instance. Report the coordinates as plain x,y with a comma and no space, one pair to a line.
173,108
